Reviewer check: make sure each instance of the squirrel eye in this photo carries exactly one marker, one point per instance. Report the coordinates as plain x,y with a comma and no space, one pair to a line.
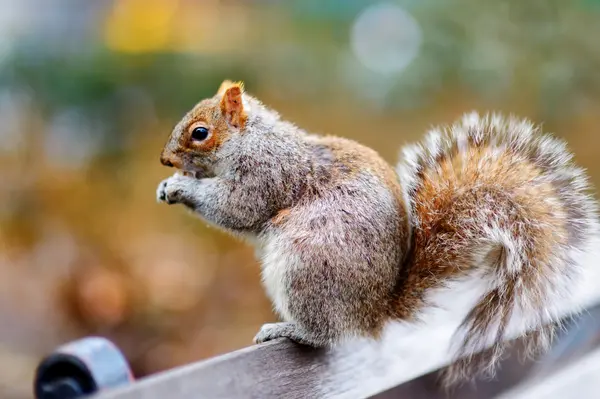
199,133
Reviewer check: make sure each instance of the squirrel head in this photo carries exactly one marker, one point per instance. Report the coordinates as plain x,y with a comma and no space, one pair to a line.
195,141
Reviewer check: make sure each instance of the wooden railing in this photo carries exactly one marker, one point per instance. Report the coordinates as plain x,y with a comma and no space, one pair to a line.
403,364
392,368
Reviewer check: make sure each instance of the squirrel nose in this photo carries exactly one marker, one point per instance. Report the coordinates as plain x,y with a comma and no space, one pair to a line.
166,161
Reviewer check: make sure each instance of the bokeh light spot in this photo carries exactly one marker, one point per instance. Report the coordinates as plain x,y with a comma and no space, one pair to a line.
385,38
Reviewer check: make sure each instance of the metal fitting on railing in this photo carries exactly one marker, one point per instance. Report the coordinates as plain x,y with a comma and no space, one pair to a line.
81,368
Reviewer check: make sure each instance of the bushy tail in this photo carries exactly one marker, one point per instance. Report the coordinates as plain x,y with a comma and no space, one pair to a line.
529,250
510,200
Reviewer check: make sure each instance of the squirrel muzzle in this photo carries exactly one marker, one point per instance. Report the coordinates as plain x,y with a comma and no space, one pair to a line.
170,161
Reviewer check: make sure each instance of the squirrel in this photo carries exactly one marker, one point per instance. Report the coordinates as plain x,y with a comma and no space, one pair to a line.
347,243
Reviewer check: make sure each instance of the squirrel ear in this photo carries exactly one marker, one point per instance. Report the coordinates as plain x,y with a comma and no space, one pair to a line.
231,104
224,86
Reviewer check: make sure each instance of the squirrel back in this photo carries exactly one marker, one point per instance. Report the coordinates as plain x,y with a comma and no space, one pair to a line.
493,198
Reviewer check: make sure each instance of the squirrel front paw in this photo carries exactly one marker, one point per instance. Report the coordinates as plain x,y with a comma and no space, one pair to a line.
174,190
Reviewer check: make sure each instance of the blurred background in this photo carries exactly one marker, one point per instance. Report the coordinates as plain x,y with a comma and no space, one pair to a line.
89,91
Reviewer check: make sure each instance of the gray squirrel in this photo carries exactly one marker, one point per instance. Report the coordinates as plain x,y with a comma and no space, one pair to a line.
348,244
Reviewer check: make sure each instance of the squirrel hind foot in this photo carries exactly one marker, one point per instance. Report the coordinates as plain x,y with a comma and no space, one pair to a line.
272,331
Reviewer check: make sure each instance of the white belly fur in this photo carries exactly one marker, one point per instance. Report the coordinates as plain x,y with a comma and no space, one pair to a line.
277,261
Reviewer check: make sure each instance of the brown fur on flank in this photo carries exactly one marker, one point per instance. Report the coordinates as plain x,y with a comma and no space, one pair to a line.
347,244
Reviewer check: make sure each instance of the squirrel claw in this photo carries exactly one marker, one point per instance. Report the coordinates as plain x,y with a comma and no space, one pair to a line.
171,190
272,331
161,195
